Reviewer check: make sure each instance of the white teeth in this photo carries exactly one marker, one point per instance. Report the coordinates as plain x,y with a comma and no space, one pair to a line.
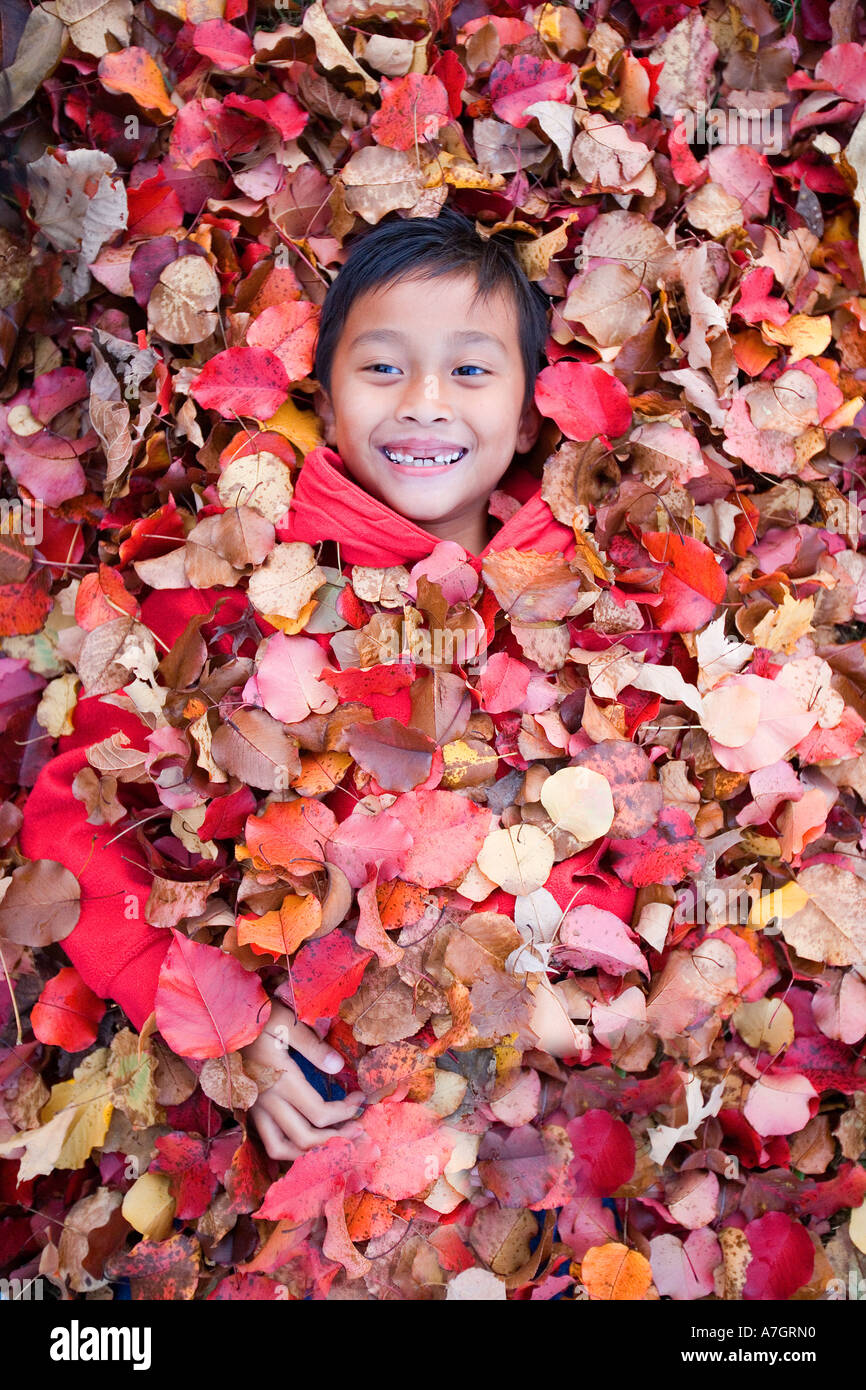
437,460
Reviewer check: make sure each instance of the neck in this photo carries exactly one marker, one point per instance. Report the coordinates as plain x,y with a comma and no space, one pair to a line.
469,529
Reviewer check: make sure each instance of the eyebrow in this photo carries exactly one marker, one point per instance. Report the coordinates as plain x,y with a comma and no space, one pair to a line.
461,335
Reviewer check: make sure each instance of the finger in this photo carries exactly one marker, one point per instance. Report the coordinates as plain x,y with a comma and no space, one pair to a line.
275,1142
297,1129
304,1040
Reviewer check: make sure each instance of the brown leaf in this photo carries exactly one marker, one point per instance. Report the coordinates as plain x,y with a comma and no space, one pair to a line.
220,548
41,905
398,757
39,50
225,1082
532,587
383,1008
255,748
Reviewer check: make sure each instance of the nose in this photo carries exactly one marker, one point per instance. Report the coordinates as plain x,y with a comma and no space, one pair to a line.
423,400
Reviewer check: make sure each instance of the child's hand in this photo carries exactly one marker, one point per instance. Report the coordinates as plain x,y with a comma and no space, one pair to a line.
291,1116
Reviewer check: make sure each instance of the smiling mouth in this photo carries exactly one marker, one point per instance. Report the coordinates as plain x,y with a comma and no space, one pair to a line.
438,460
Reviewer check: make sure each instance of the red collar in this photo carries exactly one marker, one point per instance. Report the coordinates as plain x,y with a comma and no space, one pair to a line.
329,505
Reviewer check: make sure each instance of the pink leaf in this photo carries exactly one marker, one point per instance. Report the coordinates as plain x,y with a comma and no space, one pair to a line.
413,1148
683,1270
590,937
227,47
781,1103
207,1005
447,832
287,681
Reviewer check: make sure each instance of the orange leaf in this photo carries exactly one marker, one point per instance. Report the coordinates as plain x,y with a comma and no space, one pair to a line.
400,904
368,1215
24,607
290,835
613,1271
281,932
101,597
320,773
134,73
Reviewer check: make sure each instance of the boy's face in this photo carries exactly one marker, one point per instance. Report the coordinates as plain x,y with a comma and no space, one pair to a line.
420,371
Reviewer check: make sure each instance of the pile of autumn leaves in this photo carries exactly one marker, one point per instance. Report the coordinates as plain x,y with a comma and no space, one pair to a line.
680,704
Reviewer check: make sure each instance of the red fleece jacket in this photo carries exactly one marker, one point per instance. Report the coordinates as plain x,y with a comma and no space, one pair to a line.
114,950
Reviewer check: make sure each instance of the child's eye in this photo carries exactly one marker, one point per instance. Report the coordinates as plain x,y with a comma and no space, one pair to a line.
482,370
382,367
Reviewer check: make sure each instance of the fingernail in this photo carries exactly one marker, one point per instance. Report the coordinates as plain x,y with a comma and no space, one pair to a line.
333,1062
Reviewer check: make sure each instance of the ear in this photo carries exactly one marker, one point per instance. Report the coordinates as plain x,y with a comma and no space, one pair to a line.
325,412
528,429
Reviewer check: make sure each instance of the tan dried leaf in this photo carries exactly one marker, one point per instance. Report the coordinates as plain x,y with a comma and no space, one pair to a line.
610,304
287,580
261,481
179,308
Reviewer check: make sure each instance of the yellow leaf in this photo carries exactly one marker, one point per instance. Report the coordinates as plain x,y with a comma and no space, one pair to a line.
579,800
781,629
804,335
41,1147
90,1096
300,427
781,904
292,626
766,1023
507,1057
518,860
149,1206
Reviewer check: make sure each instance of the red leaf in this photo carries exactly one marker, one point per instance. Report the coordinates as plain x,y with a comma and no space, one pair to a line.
452,74
666,854
324,973
413,108
447,833
207,1005
242,381
289,331
67,1014
691,587
159,1269
584,400
96,595
154,208
184,1158
281,111
24,607
782,1257
314,1178
604,1152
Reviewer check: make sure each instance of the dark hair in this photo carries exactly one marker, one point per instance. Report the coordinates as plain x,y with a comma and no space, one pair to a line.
444,245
